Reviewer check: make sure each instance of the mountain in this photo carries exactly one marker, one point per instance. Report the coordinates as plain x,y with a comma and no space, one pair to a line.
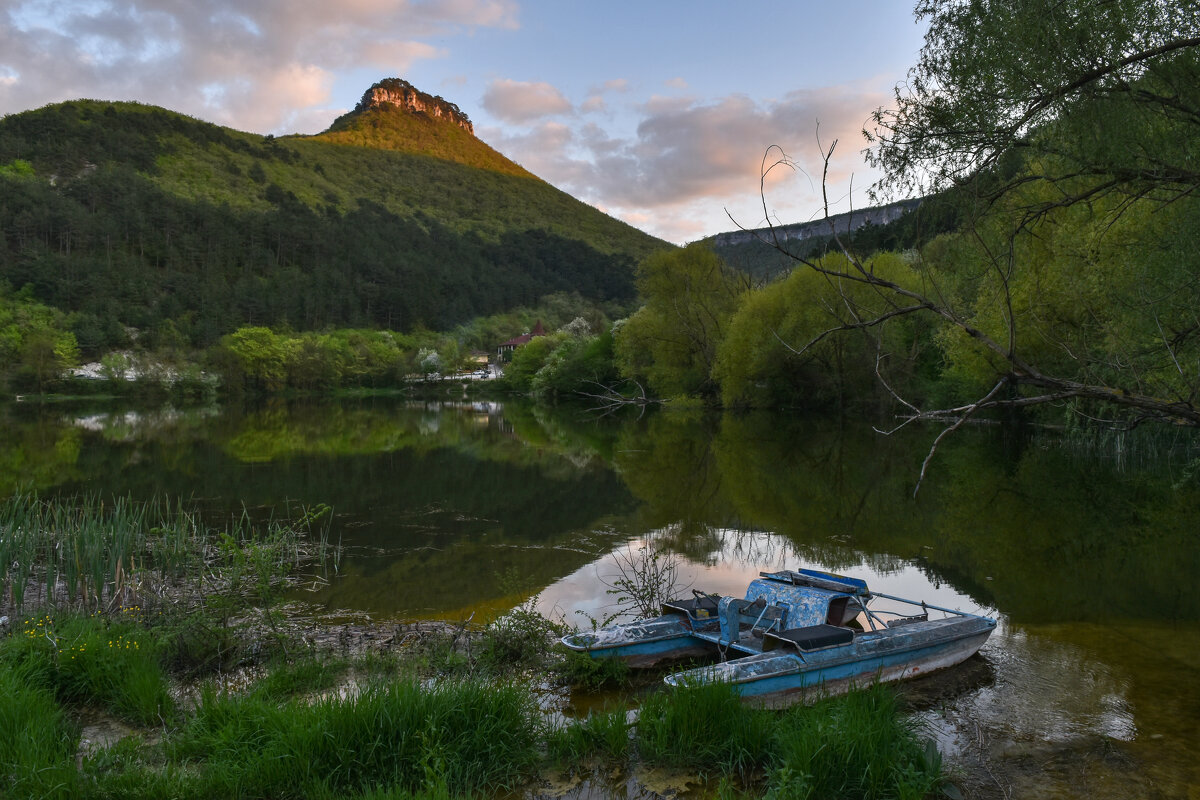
398,216
901,225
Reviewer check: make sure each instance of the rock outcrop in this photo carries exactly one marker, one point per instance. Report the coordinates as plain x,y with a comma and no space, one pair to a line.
402,94
841,223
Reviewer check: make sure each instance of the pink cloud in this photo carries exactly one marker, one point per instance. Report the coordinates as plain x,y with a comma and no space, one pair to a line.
521,102
688,161
186,56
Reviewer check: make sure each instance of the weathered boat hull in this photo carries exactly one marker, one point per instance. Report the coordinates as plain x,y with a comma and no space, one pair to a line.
776,676
643,644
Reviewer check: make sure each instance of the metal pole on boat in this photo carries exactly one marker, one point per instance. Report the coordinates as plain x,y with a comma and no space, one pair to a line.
924,605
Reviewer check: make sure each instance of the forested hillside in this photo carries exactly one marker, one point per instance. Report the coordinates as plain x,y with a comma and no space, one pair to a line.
133,217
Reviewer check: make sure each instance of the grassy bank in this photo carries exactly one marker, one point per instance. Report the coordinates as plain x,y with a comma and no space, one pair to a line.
444,713
372,728
405,725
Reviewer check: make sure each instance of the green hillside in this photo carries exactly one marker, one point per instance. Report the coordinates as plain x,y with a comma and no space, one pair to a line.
131,216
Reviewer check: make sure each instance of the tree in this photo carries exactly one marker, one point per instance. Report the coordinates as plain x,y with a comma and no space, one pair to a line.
1060,123
1109,88
45,355
35,345
671,342
755,365
255,359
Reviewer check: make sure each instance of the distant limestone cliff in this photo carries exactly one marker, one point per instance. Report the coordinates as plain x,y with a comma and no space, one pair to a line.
402,94
839,223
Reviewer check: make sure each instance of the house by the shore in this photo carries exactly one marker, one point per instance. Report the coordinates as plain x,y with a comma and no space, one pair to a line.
504,351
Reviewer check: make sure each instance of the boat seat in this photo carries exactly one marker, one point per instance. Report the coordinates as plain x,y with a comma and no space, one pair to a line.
811,638
700,606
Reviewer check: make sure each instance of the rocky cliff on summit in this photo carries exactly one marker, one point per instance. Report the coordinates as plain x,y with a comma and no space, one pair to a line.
403,95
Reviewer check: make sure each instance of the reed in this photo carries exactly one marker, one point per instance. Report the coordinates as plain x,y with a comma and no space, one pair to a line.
88,553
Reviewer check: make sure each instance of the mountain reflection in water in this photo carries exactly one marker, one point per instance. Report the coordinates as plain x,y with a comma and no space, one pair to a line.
1087,556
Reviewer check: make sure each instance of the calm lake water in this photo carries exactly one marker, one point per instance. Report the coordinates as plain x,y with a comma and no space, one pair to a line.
1086,552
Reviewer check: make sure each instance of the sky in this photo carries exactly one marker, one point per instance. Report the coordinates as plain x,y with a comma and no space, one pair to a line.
660,113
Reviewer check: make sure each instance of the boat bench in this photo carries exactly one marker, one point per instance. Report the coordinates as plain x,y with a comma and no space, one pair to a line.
813,637
698,607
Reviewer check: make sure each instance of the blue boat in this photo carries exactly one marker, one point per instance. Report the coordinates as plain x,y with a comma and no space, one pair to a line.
795,630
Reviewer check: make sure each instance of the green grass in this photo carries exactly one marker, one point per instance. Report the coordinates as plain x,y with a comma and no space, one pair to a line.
37,740
402,734
705,728
304,676
592,674
89,660
604,735
858,745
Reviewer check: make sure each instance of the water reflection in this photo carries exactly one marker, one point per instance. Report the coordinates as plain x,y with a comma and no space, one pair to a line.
732,559
1090,684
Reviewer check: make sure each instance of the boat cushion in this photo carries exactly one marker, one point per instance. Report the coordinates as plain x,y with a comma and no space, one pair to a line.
815,636
701,607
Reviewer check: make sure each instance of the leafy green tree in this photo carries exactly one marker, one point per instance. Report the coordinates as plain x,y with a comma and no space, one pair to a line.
580,365
671,341
1109,88
17,168
1063,121
757,366
528,360
45,354
254,359
36,346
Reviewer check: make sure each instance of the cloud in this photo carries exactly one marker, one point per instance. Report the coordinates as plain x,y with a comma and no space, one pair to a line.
520,102
595,100
614,85
690,160
256,66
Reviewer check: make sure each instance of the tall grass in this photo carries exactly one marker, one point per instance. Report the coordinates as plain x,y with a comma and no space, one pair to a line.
37,741
854,746
89,553
705,728
857,745
470,735
604,735
87,660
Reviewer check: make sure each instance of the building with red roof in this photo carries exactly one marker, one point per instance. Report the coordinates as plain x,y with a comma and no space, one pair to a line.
504,351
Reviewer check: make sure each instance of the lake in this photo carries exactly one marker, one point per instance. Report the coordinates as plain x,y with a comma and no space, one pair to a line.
1085,548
